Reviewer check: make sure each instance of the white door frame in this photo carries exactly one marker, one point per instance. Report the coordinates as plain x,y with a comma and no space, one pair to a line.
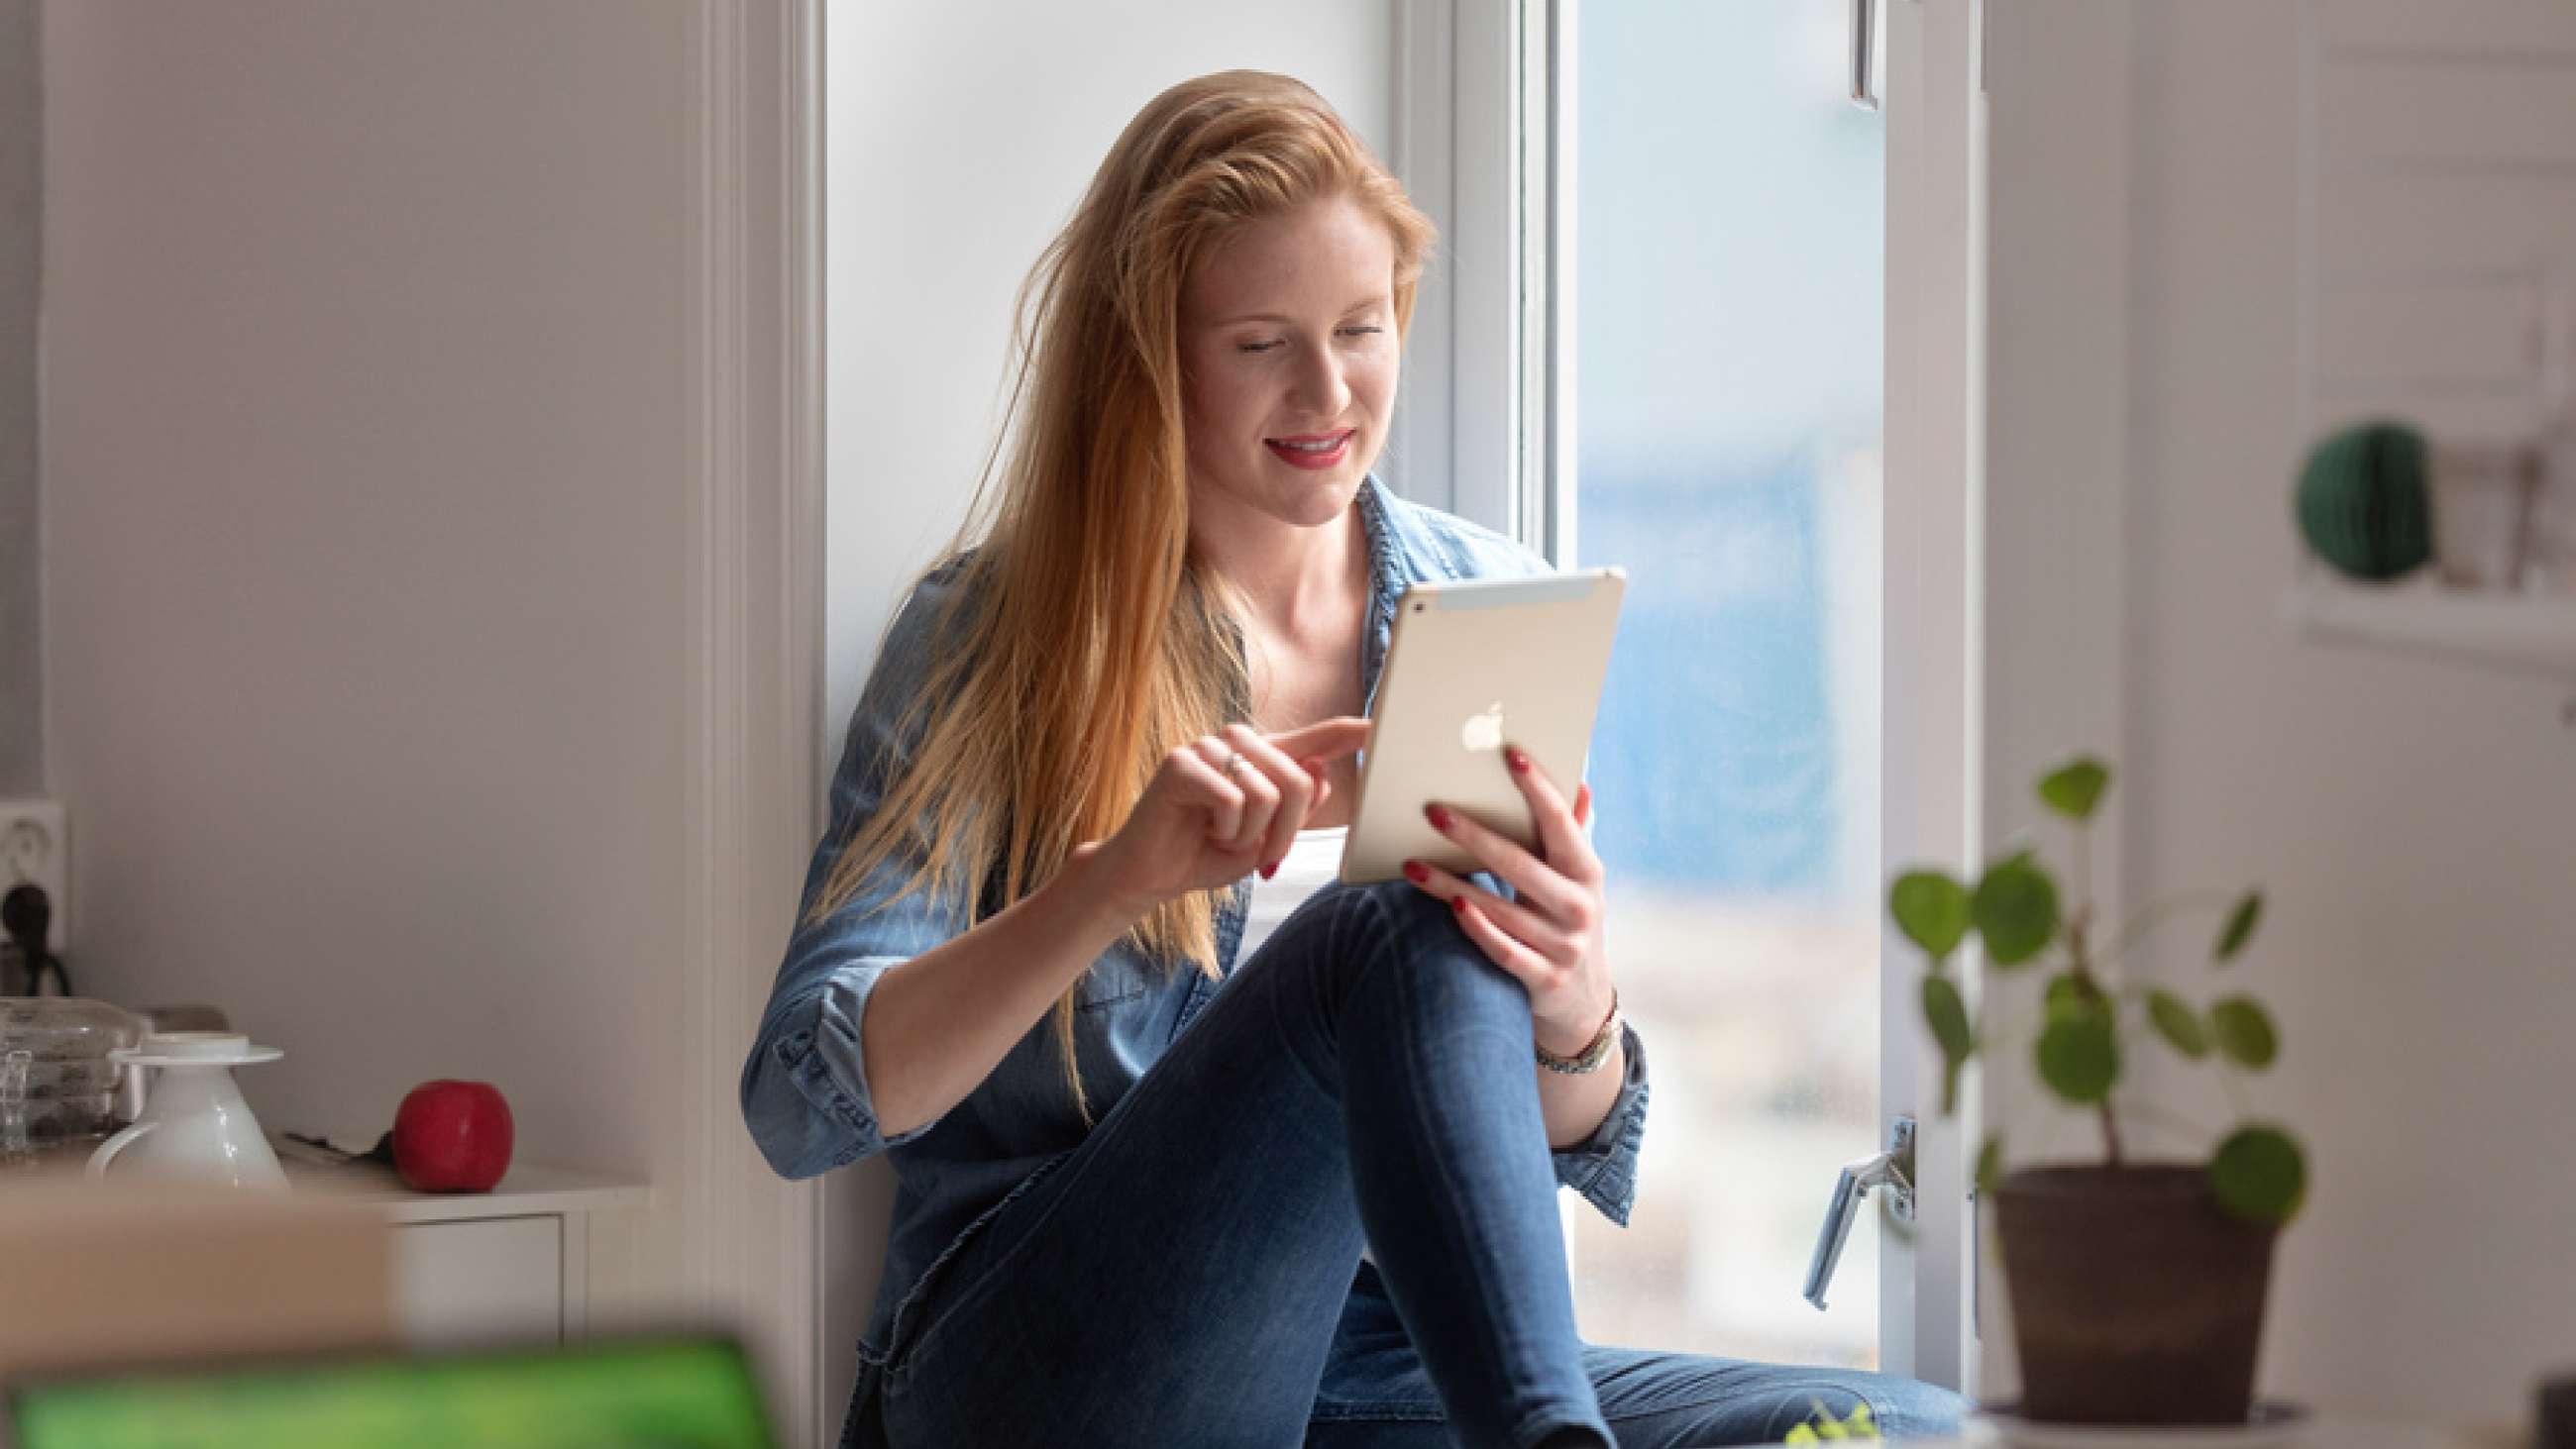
1484,432
749,1242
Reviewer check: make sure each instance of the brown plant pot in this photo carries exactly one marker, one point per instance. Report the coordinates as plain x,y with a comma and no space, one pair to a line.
2136,1298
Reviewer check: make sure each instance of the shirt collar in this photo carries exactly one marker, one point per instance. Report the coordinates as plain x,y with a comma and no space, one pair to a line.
1388,578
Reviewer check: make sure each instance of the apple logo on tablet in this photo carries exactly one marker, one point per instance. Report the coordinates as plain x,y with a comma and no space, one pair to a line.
1484,731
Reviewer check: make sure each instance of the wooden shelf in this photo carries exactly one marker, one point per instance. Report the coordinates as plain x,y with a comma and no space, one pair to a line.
2522,633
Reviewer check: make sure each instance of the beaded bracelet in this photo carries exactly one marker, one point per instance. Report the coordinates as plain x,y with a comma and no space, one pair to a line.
1594,1053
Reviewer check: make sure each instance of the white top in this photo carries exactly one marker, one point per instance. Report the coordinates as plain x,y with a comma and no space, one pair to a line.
1314,861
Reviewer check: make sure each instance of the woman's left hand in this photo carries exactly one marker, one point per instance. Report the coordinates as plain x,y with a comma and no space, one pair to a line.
1550,938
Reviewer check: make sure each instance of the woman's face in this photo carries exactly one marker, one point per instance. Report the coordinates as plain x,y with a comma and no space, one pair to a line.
1288,357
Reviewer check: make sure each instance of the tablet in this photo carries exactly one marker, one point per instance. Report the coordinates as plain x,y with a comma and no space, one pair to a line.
1476,664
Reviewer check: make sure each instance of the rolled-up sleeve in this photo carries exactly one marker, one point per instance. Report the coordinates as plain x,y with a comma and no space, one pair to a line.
1603,1167
805,1084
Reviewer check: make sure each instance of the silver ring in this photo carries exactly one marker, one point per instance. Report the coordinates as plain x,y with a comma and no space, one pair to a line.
1234,760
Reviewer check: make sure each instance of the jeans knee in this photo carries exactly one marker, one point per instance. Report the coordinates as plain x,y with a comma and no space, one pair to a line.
1910,1409
1353,939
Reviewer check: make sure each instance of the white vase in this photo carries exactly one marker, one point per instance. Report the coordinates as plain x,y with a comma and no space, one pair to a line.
195,1126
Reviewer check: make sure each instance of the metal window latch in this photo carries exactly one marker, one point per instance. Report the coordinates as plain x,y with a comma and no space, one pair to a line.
1893,1170
1864,35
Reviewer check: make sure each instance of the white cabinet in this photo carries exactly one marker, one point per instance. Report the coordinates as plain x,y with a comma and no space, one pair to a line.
494,1279
506,1266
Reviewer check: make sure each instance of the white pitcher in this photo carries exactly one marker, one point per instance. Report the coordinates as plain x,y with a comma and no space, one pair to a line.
195,1126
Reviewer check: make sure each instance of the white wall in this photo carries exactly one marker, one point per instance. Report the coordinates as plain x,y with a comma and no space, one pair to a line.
961,135
367,494
2414,822
22,764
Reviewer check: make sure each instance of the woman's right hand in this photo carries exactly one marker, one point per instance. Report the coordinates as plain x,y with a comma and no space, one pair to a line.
1201,824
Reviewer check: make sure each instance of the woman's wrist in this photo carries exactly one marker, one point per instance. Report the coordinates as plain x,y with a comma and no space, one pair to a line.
1089,877
1569,1048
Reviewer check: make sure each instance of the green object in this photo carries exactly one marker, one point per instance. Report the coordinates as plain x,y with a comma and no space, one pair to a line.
2244,1032
1822,1425
2079,1056
2015,910
2177,1023
2076,789
2365,501
1947,1014
2260,1173
2018,915
672,1394
1932,910
2240,925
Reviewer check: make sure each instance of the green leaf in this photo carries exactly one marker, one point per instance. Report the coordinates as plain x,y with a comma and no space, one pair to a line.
2243,1031
1946,1013
2065,996
1990,1166
2015,909
2240,925
2079,1057
1932,910
2075,788
2178,1024
2260,1173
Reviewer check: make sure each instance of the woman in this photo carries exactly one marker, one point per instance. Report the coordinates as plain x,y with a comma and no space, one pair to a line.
1193,1147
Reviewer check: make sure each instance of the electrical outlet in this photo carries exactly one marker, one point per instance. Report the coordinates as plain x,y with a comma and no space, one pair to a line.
34,848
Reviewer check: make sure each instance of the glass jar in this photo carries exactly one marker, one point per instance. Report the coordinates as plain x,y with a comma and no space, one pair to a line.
65,1087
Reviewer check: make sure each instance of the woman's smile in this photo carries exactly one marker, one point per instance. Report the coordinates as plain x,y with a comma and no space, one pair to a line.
1315,451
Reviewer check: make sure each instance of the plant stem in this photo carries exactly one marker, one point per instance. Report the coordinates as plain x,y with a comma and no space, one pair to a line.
2085,982
2139,923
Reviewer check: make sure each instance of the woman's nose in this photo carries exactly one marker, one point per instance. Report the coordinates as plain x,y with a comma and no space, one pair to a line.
1321,386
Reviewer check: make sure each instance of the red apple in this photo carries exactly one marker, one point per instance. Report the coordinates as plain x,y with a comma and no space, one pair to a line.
452,1137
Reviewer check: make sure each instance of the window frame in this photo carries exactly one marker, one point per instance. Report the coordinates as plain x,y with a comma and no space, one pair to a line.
1484,143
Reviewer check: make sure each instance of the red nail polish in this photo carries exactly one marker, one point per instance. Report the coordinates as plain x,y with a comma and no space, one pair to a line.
1458,904
1518,761
1416,872
1270,870
1439,817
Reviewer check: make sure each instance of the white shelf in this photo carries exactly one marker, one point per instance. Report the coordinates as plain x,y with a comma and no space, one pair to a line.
525,1190
2523,633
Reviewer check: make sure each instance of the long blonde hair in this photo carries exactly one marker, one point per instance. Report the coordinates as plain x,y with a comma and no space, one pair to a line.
1080,640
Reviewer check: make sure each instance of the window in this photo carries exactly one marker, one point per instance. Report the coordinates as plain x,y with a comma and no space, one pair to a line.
1667,346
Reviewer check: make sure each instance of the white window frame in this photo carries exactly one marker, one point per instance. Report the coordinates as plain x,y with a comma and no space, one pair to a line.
1482,411
1487,427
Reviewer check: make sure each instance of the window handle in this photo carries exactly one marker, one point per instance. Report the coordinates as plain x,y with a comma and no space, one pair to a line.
1864,30
1893,1170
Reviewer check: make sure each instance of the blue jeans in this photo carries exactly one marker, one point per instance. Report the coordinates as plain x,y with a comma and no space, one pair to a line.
1191,1275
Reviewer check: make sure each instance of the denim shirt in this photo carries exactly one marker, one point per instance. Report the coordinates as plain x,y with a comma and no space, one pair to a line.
805,1086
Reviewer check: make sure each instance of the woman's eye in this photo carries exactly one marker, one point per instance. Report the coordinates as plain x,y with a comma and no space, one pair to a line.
1255,346
1360,331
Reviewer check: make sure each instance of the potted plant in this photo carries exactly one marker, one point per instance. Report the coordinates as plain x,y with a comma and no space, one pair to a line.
2137,1285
